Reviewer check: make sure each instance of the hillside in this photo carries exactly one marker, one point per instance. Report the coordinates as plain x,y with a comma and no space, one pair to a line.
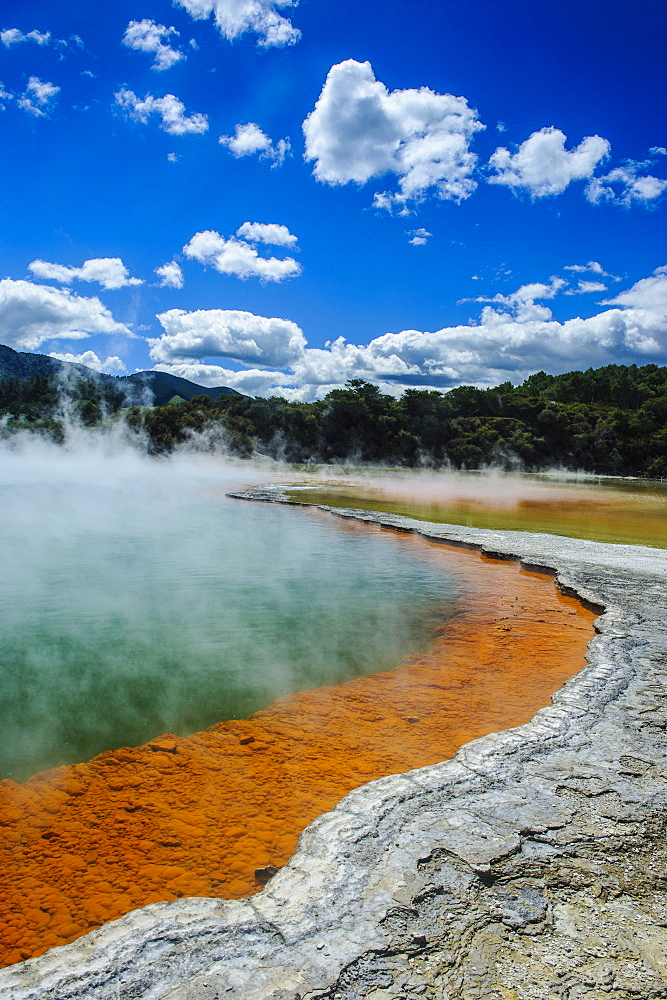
150,388
610,421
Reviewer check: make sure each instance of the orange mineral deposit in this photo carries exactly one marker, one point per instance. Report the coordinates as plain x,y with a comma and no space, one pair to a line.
197,816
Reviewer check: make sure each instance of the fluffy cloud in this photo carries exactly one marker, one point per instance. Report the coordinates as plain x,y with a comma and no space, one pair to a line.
147,36
12,36
502,346
238,257
359,130
249,140
267,232
227,333
510,342
626,186
583,287
171,275
593,265
109,272
649,294
250,381
91,360
514,337
32,314
236,17
37,97
523,303
419,237
169,108
542,166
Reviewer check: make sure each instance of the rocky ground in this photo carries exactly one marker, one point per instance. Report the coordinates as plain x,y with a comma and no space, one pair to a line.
530,867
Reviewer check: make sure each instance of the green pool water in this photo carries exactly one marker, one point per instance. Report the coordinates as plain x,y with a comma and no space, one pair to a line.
137,599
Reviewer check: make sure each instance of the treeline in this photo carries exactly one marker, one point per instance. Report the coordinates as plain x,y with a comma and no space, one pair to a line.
610,420
46,403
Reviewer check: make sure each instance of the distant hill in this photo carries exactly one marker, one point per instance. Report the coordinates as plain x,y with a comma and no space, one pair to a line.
607,421
20,364
150,388
164,386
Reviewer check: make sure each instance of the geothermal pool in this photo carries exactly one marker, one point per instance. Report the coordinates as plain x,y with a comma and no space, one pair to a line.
600,508
137,599
143,606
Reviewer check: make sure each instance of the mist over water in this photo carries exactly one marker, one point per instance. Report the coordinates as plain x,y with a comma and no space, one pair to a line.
577,505
136,598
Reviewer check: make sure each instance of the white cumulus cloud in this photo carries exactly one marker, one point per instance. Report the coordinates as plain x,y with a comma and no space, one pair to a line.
32,314
236,17
508,342
583,287
238,257
514,337
170,110
5,95
147,36
267,232
13,36
250,140
626,186
250,381
360,130
171,275
649,294
109,272
419,237
523,303
594,266
91,360
227,333
37,98
543,166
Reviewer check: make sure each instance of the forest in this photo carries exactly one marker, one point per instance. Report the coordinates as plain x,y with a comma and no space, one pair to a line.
610,420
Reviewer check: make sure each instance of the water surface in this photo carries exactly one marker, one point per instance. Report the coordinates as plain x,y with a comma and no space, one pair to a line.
137,599
198,815
598,508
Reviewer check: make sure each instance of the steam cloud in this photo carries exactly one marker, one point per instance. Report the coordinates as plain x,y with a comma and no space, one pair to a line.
138,599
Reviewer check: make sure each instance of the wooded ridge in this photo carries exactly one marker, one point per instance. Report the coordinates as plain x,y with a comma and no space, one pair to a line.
610,420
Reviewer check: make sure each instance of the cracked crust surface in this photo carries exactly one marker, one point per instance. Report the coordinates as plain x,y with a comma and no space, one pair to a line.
530,867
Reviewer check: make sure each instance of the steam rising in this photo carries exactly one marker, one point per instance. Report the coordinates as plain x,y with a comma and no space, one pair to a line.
577,505
138,599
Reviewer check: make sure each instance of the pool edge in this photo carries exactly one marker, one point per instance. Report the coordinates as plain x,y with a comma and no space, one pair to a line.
348,896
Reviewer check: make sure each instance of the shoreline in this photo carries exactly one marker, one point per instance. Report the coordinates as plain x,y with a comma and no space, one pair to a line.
199,815
465,878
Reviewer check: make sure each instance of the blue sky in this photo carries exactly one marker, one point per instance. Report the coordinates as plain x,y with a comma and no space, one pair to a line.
415,193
